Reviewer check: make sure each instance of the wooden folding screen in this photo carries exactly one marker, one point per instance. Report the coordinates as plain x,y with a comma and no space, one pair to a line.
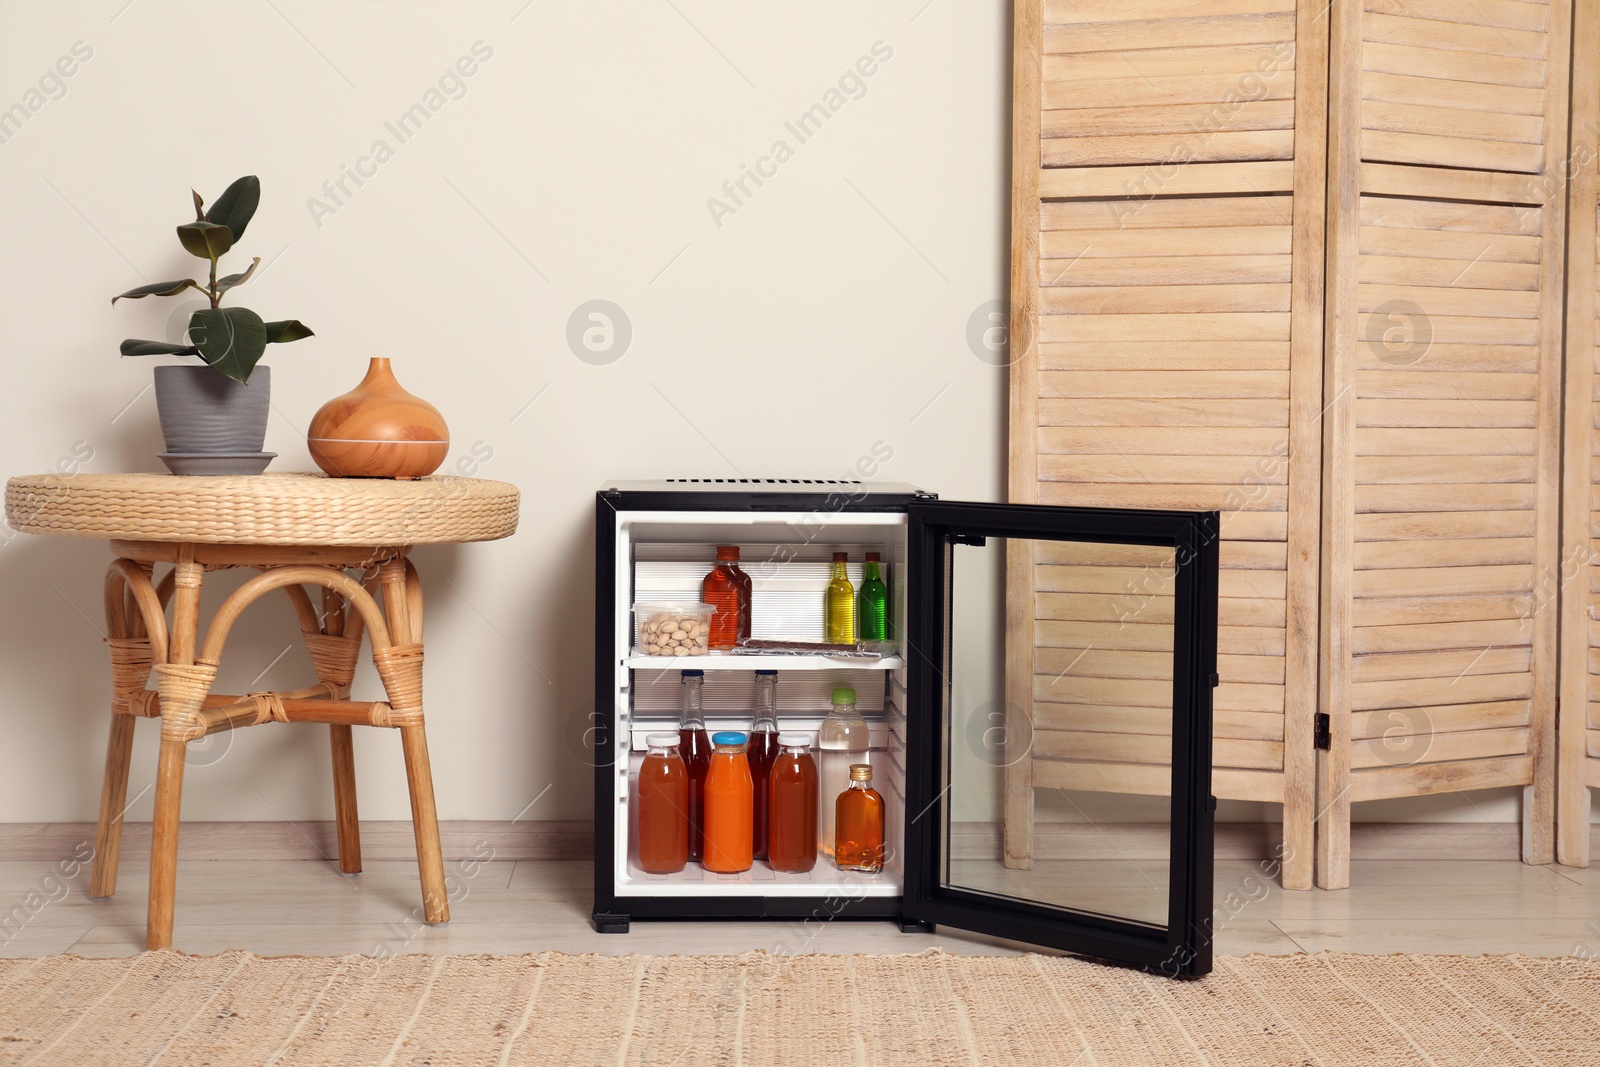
1579,576
1447,136
1168,204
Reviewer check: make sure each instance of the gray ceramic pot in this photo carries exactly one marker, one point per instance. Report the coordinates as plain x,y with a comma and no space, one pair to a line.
204,411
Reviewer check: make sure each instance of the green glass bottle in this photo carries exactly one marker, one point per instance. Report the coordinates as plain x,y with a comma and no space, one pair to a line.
839,605
874,622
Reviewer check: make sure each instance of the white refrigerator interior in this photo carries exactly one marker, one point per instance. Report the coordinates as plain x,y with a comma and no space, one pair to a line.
663,556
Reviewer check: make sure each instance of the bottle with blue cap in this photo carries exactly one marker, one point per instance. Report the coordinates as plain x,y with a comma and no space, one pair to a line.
729,797
843,740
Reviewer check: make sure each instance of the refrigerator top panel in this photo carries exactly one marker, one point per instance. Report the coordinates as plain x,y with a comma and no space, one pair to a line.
796,487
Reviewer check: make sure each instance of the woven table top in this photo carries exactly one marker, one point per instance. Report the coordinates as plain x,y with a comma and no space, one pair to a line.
263,509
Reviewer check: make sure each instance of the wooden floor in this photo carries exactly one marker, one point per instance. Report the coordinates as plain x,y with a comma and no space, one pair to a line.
297,907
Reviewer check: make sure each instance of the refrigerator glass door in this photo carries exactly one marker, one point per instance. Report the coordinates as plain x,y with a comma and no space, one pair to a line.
1059,766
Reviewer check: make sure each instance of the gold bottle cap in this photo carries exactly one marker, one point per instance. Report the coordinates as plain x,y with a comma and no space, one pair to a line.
861,772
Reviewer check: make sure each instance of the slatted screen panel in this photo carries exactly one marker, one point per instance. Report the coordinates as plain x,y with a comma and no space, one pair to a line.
1172,327
1591,360
1446,434
1443,376
1125,82
1164,383
1457,83
1579,727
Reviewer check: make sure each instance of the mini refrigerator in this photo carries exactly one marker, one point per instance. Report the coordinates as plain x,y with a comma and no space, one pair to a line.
1126,879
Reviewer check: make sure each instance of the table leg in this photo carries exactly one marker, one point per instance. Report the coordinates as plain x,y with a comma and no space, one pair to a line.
131,659
399,596
113,798
425,821
169,770
164,843
347,821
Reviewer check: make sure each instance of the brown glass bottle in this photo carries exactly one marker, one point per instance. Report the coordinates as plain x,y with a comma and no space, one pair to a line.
694,748
858,823
728,589
762,750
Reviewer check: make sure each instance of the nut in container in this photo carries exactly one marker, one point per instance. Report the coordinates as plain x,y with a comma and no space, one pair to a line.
673,628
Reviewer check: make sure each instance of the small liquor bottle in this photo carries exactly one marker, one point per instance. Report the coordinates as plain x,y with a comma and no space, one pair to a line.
728,589
859,822
874,621
839,605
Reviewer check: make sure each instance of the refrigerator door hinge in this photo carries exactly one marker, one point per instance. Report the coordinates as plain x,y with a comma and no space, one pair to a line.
1216,679
976,540
1324,732
923,494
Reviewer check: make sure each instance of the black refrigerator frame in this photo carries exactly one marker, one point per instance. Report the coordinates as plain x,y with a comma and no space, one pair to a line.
1181,949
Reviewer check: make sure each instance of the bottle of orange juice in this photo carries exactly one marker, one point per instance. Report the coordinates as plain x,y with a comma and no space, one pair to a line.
730,799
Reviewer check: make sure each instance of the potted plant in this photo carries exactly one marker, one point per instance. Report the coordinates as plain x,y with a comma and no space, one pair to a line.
214,416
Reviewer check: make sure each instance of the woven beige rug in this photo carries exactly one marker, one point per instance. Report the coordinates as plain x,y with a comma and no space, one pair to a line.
674,1011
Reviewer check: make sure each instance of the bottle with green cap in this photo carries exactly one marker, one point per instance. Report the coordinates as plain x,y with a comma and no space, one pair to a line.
843,740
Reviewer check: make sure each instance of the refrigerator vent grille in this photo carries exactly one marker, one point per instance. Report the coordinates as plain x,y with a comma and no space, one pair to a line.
764,481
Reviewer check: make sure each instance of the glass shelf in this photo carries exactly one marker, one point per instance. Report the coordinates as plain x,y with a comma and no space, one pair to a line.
775,662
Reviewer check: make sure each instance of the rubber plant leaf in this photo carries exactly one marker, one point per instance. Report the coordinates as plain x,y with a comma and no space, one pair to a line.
228,281
135,347
206,240
159,289
286,330
199,205
231,340
237,205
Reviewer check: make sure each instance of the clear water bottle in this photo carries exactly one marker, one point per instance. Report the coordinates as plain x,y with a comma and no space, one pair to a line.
843,740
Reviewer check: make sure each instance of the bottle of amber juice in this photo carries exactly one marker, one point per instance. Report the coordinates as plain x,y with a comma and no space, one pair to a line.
728,589
859,824
792,814
662,800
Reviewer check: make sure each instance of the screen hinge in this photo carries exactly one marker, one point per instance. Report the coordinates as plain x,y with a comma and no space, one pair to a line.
1324,732
975,540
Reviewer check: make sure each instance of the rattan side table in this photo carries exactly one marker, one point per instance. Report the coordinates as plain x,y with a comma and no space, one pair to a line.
298,530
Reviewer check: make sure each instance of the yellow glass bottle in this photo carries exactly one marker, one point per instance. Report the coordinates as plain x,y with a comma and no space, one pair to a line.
839,605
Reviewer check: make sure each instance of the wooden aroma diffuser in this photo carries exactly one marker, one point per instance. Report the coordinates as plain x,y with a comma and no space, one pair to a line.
378,430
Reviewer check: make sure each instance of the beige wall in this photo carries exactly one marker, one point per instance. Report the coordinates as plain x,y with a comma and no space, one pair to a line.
786,333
